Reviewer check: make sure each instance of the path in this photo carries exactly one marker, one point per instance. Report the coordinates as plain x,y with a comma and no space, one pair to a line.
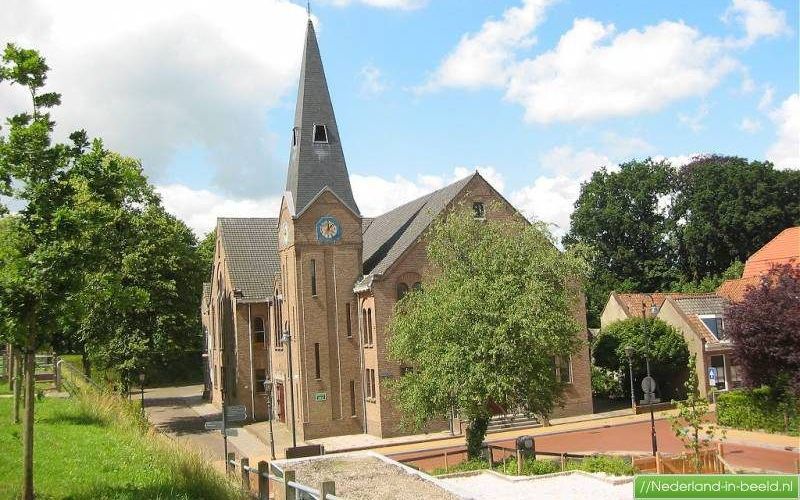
181,413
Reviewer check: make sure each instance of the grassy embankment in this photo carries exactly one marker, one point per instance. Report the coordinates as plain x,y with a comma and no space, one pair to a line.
95,445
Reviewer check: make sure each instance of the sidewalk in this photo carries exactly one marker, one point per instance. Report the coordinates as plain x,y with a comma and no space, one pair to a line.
762,439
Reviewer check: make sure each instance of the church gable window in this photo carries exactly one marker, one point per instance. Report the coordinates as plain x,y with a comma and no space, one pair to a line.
402,290
295,136
259,332
320,133
479,210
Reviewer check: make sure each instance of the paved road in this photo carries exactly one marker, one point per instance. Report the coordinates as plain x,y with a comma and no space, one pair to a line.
180,412
630,438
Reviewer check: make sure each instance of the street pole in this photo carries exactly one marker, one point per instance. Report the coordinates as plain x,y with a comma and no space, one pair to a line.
287,338
633,393
141,390
224,430
652,418
268,390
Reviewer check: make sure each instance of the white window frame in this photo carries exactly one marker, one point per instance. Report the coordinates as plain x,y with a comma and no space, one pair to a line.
713,316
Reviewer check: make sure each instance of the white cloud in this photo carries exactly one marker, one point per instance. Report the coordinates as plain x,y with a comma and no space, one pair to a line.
750,125
549,199
483,58
620,146
759,19
383,4
766,98
376,195
564,160
785,152
199,208
153,78
695,120
372,82
593,73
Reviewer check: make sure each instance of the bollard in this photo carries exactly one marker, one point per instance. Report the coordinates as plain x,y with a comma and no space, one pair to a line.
263,481
519,462
327,488
658,463
244,465
563,462
228,465
289,493
445,461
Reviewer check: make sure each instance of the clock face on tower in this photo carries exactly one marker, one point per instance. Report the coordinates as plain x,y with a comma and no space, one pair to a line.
328,230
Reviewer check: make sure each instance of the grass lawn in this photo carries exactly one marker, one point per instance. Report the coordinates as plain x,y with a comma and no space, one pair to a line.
85,449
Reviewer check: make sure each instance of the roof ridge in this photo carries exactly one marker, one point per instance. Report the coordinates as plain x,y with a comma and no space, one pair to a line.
424,196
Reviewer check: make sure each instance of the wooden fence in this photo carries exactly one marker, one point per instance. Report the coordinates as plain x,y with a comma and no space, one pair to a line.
267,481
712,461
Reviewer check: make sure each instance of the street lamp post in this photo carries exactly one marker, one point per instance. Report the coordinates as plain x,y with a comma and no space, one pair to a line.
287,339
650,393
268,390
141,390
629,353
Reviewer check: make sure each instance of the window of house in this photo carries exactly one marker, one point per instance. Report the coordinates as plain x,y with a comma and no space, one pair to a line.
370,384
714,324
352,398
736,376
562,368
478,210
320,133
259,332
364,325
316,361
369,327
261,377
295,136
402,290
348,320
313,277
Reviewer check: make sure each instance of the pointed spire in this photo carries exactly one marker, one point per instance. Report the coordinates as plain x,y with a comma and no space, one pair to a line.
316,160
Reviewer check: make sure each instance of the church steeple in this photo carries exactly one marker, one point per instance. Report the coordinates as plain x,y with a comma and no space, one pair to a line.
316,160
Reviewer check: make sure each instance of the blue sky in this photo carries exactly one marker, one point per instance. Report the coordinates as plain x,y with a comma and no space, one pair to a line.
534,93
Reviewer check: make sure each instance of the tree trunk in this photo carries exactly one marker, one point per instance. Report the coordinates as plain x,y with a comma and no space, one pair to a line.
476,431
87,366
17,384
30,400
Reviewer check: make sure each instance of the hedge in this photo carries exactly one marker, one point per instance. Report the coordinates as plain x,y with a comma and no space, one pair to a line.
757,409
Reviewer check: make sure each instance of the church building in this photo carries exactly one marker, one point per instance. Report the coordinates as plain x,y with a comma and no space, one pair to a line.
304,299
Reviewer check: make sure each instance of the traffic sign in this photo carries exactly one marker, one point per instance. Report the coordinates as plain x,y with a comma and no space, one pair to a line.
648,384
233,410
214,425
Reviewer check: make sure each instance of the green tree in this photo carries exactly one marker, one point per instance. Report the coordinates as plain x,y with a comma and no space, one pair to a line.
206,250
689,423
495,310
662,342
33,169
619,215
726,208
709,284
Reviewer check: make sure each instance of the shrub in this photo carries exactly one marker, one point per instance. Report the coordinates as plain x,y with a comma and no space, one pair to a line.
469,465
615,466
758,409
606,383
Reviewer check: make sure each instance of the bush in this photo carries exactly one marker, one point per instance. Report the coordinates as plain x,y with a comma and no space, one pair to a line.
469,465
606,383
615,466
758,409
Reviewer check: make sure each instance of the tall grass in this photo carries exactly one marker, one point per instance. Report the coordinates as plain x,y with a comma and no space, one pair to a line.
191,474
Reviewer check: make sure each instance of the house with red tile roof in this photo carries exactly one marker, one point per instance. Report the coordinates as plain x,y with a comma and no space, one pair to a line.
782,249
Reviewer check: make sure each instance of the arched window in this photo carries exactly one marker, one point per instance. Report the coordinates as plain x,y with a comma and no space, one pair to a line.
259,332
402,290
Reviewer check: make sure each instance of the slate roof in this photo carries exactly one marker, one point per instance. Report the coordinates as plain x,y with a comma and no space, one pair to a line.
782,249
698,304
388,236
251,253
314,166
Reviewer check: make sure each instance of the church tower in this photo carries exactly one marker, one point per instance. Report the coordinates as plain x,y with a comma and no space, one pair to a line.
320,250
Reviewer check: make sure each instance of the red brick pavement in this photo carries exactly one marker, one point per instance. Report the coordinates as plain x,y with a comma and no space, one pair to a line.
631,438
